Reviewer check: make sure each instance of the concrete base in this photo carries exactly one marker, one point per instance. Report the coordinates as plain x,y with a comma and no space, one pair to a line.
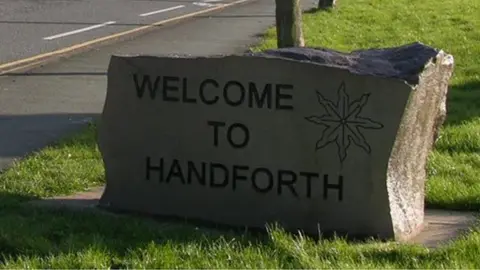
440,227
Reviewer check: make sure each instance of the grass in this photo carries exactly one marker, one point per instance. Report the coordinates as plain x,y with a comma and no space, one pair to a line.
46,238
73,164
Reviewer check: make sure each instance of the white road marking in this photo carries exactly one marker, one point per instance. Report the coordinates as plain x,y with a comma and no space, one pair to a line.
79,30
161,10
209,1
203,4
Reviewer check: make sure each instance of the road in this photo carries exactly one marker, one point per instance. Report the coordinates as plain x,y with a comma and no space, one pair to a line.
32,27
45,103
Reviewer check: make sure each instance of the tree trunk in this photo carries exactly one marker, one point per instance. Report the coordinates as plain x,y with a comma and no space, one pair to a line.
326,4
288,14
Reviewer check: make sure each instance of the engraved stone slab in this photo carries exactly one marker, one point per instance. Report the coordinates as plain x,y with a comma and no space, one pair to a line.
312,139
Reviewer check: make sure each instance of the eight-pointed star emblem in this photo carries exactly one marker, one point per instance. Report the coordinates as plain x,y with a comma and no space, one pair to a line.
343,123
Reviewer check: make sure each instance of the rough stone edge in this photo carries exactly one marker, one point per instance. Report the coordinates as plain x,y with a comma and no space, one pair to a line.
404,62
357,62
413,216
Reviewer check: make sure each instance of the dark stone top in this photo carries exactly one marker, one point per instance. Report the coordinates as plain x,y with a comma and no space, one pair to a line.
405,62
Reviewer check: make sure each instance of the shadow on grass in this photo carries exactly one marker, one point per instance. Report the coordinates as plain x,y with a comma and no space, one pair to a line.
41,232
261,35
465,203
463,103
395,256
258,233
9,200
35,231
318,10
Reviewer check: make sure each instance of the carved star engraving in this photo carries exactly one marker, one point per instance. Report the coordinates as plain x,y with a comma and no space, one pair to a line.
342,122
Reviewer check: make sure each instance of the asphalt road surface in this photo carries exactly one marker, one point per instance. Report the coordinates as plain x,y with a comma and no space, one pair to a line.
43,104
32,27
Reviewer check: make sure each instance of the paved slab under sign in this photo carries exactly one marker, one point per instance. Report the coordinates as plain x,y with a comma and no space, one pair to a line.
441,226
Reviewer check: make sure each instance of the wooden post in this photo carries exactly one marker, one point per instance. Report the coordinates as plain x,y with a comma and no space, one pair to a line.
288,14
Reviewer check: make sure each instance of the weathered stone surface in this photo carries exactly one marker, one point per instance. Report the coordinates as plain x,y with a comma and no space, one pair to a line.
317,140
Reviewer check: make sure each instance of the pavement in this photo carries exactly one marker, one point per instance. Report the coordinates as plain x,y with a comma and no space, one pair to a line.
31,27
40,106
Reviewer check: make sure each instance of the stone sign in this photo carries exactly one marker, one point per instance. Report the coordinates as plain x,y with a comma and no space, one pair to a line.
312,139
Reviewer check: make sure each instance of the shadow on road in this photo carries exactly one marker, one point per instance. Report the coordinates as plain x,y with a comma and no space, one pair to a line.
24,134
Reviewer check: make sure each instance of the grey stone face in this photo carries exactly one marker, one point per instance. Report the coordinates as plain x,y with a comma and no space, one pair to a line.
314,140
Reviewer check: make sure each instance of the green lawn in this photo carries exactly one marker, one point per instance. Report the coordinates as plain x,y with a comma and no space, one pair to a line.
42,238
